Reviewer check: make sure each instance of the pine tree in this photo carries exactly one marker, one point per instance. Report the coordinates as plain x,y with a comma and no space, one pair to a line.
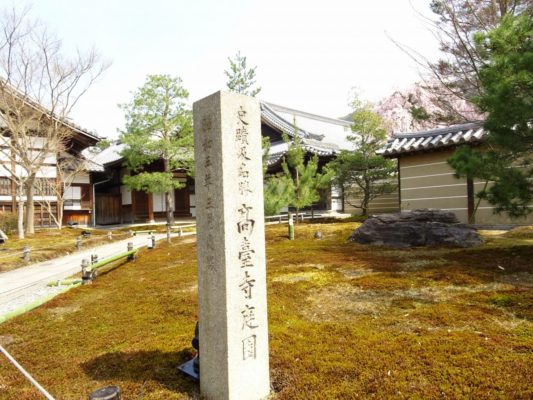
299,184
507,86
158,127
361,173
241,79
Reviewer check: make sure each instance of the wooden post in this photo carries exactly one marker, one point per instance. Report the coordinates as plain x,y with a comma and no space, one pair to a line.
470,200
131,257
151,207
91,201
26,253
133,206
86,274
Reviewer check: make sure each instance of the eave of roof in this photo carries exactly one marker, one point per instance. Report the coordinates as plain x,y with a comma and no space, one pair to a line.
451,136
39,107
310,142
309,145
270,118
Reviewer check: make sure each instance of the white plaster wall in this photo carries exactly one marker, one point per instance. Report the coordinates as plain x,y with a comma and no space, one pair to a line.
126,195
47,172
159,202
82,178
192,204
4,171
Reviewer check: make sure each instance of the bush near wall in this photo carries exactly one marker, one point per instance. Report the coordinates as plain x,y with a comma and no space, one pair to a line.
8,222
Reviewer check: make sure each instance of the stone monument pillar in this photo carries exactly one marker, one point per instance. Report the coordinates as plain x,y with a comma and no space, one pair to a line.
231,248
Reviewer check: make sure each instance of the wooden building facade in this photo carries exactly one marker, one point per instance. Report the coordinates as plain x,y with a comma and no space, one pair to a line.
115,203
78,201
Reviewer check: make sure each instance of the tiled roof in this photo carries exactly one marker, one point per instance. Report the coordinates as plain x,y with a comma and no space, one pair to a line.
278,150
109,155
311,142
271,118
92,166
403,143
320,148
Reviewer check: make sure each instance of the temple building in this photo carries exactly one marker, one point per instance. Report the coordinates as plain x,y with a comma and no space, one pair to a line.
115,203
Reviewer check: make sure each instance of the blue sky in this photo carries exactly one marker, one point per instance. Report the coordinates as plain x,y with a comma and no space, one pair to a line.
309,54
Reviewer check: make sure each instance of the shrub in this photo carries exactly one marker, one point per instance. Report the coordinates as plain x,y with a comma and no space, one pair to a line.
8,221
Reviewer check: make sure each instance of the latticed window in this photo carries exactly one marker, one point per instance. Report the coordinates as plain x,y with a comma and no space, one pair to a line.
5,186
46,186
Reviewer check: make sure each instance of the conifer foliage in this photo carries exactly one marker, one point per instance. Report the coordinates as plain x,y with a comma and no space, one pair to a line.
241,79
507,98
158,127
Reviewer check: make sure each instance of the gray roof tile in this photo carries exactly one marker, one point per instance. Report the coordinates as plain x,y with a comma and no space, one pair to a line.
454,135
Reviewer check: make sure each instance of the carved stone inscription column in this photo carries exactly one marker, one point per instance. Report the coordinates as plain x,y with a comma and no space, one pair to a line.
231,248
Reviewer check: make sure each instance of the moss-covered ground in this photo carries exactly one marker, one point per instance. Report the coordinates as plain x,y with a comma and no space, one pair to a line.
346,321
46,244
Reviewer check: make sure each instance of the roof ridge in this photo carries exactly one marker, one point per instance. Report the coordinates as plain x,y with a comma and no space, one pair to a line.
277,107
437,131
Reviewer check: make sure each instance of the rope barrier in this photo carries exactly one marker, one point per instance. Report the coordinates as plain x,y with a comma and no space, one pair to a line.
26,374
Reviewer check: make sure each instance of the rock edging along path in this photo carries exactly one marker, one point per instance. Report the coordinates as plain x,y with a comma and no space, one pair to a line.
25,285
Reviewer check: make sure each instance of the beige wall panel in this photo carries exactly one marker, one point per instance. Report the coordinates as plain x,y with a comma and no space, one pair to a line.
485,216
460,202
388,203
428,175
433,169
425,181
437,191
425,158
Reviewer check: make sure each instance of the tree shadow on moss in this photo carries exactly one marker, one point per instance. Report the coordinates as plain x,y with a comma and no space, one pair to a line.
143,366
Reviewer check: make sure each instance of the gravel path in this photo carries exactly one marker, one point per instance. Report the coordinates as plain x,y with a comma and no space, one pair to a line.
25,285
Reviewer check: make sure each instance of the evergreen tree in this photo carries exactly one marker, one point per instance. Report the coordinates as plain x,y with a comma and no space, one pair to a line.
241,79
507,98
361,173
158,127
299,184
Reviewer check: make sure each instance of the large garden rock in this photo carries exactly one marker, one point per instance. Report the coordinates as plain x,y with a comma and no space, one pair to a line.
423,227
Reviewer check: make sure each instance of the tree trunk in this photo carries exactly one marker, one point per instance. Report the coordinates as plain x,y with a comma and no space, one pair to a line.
20,211
366,197
290,222
20,221
298,194
59,221
168,202
30,206
342,198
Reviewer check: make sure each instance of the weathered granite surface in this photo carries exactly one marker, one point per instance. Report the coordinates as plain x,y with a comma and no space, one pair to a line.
422,227
233,327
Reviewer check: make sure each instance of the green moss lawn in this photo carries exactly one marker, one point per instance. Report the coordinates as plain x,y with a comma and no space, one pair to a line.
346,321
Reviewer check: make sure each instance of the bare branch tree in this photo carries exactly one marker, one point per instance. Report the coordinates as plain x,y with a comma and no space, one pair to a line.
455,75
53,193
39,86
